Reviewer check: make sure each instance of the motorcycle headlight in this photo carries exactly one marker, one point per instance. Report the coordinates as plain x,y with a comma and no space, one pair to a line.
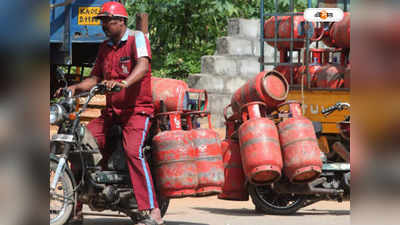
56,113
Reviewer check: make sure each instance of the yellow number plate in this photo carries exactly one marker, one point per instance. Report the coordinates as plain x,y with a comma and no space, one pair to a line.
86,14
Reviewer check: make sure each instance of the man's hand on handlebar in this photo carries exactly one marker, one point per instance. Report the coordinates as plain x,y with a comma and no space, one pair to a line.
110,84
71,88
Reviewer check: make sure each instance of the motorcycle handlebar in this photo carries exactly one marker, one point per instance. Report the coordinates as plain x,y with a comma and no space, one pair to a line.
98,89
329,110
101,89
338,106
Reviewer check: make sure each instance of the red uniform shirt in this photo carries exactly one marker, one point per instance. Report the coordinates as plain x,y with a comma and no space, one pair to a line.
116,63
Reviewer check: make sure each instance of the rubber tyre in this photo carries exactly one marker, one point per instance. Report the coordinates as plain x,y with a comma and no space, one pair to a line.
266,206
68,187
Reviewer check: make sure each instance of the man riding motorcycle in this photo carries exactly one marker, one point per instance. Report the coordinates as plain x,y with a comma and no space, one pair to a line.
124,60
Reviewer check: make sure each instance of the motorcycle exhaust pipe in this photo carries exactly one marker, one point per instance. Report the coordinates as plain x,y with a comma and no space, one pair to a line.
306,189
314,190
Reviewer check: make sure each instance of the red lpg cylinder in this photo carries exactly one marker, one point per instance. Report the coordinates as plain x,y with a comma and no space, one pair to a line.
260,150
269,87
312,69
301,153
329,76
339,34
234,186
208,159
297,73
285,71
284,29
175,166
172,92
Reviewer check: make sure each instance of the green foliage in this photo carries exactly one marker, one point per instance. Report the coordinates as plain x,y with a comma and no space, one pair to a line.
181,31
178,64
73,70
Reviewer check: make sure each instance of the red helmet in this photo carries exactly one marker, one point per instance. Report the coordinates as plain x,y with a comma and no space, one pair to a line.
112,9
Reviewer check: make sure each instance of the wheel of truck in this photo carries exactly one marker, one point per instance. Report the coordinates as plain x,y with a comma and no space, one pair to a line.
62,198
270,202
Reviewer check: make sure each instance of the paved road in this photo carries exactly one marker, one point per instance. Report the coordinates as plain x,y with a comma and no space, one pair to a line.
212,211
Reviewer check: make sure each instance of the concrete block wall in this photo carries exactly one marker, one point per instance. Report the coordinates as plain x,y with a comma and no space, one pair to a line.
234,62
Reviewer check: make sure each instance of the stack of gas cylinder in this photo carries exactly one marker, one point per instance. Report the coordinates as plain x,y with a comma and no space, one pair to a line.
187,158
261,149
328,67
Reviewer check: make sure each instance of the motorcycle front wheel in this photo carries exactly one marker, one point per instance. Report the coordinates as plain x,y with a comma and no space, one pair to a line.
268,201
62,198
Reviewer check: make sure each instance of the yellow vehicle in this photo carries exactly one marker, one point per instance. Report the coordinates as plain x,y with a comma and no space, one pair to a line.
286,40
317,100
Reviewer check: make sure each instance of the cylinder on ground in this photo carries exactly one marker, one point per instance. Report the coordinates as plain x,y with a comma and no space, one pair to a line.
260,151
174,156
234,187
269,87
208,155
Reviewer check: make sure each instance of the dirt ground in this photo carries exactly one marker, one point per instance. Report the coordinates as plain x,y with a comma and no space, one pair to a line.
212,211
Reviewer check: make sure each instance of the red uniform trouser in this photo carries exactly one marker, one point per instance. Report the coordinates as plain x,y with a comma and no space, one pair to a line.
134,130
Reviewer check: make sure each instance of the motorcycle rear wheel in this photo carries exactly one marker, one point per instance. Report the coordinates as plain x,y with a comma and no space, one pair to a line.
61,200
268,201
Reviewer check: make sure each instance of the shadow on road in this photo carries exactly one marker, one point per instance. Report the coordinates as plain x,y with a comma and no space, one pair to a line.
316,212
107,221
247,212
324,212
232,212
183,223
126,221
90,220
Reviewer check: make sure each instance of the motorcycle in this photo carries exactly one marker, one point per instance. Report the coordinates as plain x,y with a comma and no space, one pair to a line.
85,181
285,198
